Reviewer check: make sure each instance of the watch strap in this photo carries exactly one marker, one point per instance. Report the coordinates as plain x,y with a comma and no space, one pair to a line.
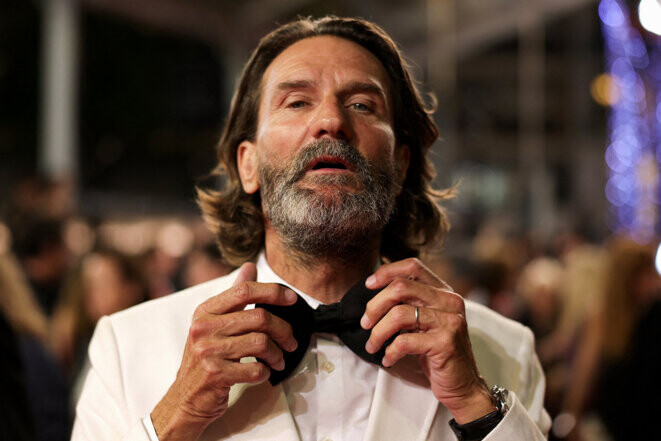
478,429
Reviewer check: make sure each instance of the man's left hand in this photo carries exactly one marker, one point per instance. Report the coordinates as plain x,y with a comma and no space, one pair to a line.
439,337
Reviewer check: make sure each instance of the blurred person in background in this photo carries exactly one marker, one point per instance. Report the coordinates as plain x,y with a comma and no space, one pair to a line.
16,421
202,264
161,272
539,287
497,261
18,301
39,197
458,272
493,288
328,190
36,212
105,282
616,375
579,293
40,248
34,401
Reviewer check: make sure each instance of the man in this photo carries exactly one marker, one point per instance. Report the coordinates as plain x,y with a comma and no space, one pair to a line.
328,184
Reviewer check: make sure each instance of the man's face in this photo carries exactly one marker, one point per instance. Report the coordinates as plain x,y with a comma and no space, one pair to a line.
324,155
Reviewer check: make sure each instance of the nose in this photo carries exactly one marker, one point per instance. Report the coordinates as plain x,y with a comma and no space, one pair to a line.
331,120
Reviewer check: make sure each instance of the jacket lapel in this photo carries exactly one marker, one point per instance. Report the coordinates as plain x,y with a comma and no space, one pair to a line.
403,406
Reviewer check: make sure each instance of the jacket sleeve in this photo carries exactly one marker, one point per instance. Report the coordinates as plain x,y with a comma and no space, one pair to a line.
101,412
526,419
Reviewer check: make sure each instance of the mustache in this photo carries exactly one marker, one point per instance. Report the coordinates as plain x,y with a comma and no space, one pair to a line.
325,147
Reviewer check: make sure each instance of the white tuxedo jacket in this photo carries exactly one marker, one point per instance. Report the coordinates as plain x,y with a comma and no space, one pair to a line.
135,356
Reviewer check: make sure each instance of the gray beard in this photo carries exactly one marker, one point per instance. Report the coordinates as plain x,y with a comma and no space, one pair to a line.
337,223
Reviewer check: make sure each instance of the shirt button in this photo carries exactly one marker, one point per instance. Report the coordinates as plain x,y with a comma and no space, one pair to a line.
328,367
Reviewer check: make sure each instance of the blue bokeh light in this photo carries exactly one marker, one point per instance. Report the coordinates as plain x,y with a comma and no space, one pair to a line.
611,13
634,127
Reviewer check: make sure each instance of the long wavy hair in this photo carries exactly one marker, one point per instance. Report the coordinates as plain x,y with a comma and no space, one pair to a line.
627,261
236,217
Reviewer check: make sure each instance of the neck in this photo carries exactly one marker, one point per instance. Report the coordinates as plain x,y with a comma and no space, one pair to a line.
325,279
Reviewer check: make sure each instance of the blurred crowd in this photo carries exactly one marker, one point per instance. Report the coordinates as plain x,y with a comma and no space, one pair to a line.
60,273
595,309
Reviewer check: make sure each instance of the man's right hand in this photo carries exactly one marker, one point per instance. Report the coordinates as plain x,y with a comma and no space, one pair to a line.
223,332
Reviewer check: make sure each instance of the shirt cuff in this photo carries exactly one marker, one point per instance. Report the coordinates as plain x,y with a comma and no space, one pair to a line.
149,427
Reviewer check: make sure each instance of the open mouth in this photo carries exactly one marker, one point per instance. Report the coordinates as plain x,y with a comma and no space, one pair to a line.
329,163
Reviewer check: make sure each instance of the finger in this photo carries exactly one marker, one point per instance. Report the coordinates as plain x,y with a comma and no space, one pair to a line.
246,321
399,318
410,292
447,336
246,293
411,268
247,273
405,344
234,372
254,344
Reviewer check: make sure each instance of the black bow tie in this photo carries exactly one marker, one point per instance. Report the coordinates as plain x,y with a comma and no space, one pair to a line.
341,318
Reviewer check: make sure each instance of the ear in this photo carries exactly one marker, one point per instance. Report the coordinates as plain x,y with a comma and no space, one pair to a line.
246,161
402,157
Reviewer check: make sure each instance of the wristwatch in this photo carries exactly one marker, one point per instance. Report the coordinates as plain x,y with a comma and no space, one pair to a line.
477,430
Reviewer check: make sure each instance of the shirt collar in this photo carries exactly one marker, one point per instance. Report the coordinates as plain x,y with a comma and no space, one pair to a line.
265,274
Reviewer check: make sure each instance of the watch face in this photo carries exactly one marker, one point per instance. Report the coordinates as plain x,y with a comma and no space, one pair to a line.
500,395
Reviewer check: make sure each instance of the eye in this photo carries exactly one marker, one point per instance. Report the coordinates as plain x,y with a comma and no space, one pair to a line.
297,104
361,107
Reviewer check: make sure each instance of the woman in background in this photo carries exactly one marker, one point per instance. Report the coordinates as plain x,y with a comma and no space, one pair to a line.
618,363
105,282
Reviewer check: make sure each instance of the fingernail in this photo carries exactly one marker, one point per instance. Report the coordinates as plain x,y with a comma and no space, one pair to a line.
385,362
290,295
291,345
280,365
371,280
365,322
369,347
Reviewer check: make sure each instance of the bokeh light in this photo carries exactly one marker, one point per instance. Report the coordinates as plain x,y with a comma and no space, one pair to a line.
632,90
611,13
605,90
649,13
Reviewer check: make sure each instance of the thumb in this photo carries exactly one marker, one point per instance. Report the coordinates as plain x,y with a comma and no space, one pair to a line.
247,273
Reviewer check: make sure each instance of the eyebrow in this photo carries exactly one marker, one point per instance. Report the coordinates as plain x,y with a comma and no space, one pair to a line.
294,85
351,87
365,87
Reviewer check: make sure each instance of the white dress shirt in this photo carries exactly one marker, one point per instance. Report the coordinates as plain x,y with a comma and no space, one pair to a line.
330,392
